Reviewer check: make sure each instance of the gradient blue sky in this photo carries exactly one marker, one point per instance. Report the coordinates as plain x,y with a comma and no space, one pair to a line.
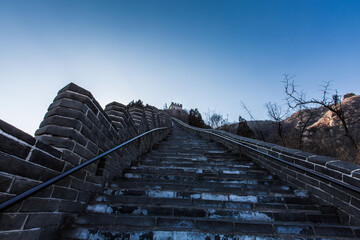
203,54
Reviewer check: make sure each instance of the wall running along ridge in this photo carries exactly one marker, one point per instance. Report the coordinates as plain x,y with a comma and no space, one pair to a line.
74,130
347,201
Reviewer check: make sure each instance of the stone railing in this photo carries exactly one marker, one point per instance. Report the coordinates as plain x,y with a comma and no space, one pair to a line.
330,180
74,130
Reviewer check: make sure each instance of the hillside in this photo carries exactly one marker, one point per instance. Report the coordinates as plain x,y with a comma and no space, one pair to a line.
323,133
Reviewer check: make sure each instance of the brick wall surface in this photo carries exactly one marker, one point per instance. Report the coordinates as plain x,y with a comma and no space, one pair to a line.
346,200
74,130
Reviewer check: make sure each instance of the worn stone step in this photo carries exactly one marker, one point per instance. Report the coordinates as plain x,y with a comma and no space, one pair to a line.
285,205
221,196
199,168
214,213
278,229
201,177
244,188
107,234
200,181
218,174
200,159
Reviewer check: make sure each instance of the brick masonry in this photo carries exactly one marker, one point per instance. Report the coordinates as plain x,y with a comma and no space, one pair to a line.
74,130
346,200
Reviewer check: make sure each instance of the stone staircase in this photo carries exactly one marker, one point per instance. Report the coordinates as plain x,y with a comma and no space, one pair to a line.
191,188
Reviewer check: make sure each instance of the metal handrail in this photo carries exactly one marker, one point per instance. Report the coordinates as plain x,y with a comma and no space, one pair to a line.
237,141
43,185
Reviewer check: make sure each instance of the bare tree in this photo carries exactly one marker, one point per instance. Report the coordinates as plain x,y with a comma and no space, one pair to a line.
276,113
258,129
215,119
305,115
333,103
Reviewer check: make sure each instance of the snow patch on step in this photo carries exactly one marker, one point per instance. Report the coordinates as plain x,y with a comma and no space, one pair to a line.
99,208
100,199
291,229
252,216
195,196
236,198
140,211
242,215
81,233
242,166
199,159
216,197
301,193
160,235
132,175
241,181
233,172
160,194
215,152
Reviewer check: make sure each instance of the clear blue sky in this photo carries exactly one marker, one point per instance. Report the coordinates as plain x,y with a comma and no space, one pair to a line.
203,54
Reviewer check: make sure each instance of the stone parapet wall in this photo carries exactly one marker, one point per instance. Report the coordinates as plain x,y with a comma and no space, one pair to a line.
346,200
74,130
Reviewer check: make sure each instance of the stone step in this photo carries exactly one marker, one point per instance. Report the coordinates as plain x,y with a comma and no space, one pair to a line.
256,197
218,174
188,177
263,203
199,203
246,232
192,164
197,167
200,181
213,213
203,187
121,223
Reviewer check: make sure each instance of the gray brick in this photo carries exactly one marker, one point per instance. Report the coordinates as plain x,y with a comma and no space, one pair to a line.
16,166
59,131
335,192
11,221
65,112
64,193
61,121
13,131
329,172
5,181
46,160
59,142
42,220
83,152
40,205
49,149
342,166
75,88
21,185
69,206
319,193
351,180
310,180
13,147
28,234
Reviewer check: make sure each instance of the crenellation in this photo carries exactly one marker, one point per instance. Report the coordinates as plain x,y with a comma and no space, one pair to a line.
74,130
